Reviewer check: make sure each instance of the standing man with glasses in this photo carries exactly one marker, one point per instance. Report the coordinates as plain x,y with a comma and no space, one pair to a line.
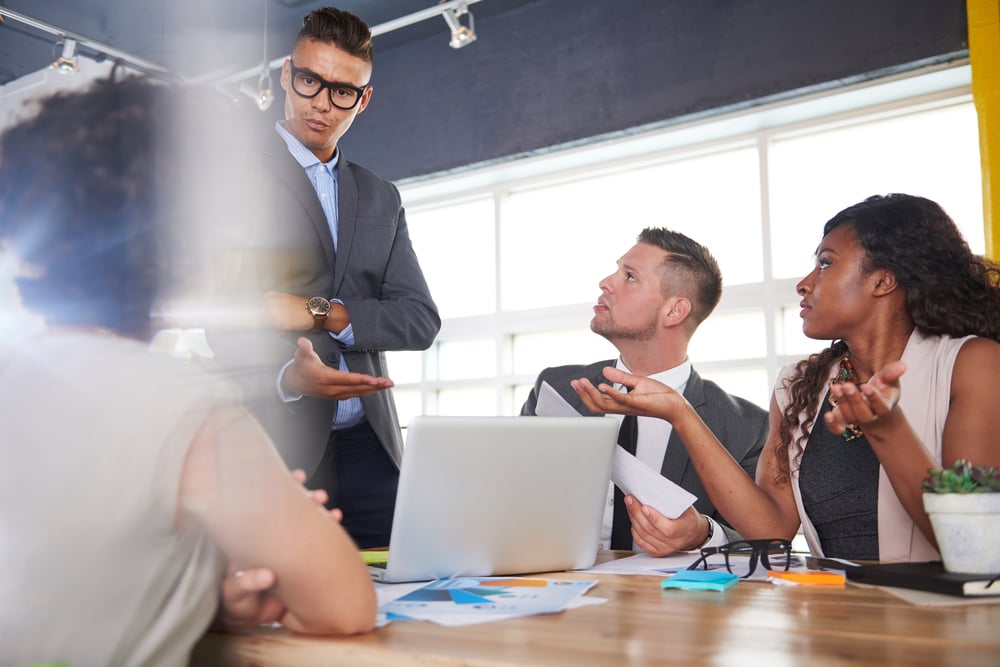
341,283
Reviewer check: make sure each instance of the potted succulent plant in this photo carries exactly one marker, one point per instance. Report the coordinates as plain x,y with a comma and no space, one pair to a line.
963,503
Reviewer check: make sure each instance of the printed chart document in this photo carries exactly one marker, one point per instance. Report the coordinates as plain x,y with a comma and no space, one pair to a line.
468,600
628,473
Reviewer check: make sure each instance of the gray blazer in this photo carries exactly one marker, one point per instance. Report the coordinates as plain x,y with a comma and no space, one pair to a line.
740,425
374,272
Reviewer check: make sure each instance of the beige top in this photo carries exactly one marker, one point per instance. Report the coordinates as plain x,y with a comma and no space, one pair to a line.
925,397
93,570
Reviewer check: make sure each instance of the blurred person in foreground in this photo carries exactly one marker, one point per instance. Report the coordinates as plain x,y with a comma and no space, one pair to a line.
130,480
908,384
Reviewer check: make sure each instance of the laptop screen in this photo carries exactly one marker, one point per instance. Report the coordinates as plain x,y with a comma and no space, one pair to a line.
481,496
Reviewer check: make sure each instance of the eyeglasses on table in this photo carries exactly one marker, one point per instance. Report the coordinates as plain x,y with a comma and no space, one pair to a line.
773,554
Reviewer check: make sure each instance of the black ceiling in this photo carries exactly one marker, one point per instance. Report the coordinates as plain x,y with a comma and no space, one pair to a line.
198,38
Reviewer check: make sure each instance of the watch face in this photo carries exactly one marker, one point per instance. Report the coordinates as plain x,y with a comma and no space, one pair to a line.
319,306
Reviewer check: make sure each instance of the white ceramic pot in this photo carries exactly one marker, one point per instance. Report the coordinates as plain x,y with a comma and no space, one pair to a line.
967,528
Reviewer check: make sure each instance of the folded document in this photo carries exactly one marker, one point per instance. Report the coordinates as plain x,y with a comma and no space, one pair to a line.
628,473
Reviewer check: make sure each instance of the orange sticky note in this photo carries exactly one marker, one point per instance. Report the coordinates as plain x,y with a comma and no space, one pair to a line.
539,583
811,577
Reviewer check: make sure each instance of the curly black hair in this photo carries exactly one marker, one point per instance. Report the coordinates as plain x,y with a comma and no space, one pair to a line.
90,198
949,292
75,185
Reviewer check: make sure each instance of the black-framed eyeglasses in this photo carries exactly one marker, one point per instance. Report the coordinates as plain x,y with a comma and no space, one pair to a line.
309,85
774,554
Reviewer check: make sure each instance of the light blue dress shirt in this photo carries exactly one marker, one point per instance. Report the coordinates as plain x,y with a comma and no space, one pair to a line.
323,176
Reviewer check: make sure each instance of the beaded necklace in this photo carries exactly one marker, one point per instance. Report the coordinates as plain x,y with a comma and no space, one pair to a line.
845,374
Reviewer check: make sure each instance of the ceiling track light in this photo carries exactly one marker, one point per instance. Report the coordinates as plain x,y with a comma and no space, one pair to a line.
66,63
69,38
264,95
461,35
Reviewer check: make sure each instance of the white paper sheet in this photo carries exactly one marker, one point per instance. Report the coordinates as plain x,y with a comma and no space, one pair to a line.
551,404
651,488
643,563
630,475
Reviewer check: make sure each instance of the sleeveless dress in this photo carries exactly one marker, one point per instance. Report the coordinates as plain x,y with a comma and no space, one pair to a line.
838,481
925,397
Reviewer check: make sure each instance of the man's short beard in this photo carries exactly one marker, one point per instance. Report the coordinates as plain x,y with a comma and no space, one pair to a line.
613,334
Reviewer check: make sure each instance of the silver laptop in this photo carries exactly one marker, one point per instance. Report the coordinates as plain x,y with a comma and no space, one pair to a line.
482,496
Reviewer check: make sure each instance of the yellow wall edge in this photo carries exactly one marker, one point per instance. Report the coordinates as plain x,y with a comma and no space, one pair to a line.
984,55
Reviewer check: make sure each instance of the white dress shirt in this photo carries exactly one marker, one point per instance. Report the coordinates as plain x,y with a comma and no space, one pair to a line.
651,445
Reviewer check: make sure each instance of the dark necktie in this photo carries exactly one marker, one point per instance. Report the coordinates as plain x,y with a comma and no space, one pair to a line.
621,526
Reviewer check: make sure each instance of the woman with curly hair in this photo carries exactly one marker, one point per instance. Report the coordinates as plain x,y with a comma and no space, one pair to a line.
130,479
908,384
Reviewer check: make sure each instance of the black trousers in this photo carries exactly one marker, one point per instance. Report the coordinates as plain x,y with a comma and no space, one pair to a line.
361,480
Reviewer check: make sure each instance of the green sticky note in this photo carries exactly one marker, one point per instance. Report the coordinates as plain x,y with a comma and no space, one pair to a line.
380,557
701,580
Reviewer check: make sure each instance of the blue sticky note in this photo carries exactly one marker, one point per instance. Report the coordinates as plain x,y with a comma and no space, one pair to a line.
701,580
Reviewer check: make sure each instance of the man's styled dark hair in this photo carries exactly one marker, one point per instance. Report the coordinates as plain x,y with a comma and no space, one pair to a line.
330,25
690,270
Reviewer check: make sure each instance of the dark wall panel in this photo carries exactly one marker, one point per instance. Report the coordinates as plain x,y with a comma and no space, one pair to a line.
555,72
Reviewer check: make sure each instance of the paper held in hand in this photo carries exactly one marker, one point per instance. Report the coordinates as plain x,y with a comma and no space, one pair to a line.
628,473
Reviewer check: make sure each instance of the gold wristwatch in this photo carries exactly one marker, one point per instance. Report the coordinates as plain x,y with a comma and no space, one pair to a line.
319,308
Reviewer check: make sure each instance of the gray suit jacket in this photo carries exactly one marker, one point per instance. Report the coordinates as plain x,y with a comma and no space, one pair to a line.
374,271
740,425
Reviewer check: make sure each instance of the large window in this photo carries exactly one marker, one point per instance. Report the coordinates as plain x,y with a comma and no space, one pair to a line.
513,254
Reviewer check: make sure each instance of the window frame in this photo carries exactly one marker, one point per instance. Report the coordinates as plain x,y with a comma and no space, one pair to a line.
929,88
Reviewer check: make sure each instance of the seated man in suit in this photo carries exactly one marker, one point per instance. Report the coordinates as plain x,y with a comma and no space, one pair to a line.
649,308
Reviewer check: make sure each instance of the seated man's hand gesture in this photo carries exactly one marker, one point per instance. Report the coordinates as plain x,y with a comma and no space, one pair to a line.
644,396
659,536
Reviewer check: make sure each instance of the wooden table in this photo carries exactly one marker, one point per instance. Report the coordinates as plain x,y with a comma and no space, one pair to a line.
750,624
